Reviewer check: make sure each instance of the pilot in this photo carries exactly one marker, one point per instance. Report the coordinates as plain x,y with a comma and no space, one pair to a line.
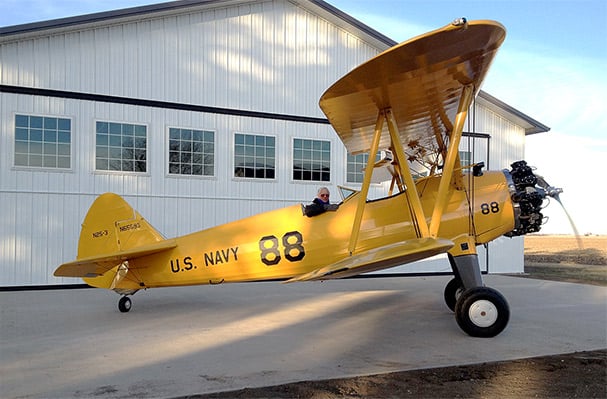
320,204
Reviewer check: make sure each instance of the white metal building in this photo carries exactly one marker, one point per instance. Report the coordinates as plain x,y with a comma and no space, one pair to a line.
199,112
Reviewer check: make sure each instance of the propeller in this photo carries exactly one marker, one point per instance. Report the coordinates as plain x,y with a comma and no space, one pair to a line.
555,192
528,192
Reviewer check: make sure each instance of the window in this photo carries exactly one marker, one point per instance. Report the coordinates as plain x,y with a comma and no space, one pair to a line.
465,157
311,160
43,142
121,146
191,152
254,156
355,169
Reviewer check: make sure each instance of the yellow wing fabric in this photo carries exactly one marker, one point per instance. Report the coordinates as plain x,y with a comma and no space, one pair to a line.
97,265
379,258
421,80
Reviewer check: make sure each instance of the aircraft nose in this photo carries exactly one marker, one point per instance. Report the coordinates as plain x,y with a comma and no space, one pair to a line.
527,196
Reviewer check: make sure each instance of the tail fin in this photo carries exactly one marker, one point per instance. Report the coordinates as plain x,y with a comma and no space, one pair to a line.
112,225
112,232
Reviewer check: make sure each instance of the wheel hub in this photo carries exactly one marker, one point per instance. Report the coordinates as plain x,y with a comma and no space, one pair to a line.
483,313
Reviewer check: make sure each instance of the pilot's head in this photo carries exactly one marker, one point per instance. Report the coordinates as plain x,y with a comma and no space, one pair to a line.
323,194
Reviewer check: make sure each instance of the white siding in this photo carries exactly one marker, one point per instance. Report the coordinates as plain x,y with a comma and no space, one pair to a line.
271,56
507,145
268,56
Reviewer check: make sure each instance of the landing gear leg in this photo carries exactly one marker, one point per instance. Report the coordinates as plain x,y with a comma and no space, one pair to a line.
467,275
480,311
466,270
124,304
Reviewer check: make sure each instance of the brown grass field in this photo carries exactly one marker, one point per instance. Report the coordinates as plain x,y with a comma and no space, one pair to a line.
567,258
567,249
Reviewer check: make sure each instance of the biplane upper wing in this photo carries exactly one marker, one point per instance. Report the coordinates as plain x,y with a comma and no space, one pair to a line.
379,258
420,80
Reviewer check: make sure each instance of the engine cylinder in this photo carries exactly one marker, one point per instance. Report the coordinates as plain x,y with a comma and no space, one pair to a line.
527,198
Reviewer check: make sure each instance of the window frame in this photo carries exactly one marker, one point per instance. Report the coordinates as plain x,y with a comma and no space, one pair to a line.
167,153
378,157
234,155
148,162
14,153
465,156
293,159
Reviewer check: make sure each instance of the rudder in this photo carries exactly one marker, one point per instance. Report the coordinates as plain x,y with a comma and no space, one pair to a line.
112,225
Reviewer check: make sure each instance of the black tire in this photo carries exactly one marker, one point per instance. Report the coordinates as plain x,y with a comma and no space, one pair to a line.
482,312
124,304
453,290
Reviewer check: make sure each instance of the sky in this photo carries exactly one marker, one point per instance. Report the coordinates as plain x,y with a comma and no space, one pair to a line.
551,67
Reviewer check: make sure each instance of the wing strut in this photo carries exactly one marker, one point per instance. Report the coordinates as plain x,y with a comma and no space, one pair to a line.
362,200
418,217
452,159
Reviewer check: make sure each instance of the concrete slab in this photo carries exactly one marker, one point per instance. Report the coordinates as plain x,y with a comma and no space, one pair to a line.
180,341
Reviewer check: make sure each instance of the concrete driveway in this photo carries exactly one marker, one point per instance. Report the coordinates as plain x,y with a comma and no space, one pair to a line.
181,341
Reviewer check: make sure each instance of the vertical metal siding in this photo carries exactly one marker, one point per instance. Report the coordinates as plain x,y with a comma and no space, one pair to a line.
507,145
268,56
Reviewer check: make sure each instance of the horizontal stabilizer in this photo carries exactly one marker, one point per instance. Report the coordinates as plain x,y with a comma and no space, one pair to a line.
379,258
97,265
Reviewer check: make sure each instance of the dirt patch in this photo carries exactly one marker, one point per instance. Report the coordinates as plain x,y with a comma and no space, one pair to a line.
579,375
575,375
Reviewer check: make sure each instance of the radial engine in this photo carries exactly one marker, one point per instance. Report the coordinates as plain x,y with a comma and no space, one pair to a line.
528,192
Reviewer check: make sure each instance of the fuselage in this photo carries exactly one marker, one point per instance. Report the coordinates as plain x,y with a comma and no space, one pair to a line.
284,243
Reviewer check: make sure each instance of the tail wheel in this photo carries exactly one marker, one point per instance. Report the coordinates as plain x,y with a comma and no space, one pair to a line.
482,312
453,290
124,304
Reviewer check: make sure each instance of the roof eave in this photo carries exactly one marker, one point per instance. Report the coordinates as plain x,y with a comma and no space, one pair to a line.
530,125
121,14
380,40
336,15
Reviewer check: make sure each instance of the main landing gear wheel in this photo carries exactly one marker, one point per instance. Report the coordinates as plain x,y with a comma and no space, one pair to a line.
453,291
124,304
482,312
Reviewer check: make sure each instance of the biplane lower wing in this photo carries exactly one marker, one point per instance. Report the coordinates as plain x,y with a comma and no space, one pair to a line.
379,258
97,265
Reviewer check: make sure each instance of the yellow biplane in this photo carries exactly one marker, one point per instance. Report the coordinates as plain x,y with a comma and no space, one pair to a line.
411,101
